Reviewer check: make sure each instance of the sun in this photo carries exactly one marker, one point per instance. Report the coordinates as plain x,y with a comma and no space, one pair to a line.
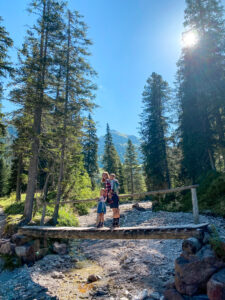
189,39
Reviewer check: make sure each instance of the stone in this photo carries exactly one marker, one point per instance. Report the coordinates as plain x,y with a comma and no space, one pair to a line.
7,248
93,278
26,252
192,273
155,295
216,286
191,245
57,275
172,294
206,238
60,248
20,239
138,207
200,297
142,295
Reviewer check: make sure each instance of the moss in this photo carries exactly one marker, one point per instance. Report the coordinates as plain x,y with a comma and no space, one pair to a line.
11,262
217,244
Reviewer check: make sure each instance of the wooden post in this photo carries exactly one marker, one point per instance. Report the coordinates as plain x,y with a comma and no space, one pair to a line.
195,205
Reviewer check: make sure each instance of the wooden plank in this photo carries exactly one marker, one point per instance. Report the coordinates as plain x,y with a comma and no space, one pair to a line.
195,205
138,195
150,232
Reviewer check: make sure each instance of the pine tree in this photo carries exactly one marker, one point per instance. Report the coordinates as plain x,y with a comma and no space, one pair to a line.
153,125
90,150
77,90
5,69
110,157
121,178
201,89
37,53
5,65
133,177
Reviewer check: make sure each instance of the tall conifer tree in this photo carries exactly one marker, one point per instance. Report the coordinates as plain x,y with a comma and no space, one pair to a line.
201,88
90,149
156,94
110,157
133,177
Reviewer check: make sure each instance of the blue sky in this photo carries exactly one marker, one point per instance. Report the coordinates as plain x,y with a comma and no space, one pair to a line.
132,39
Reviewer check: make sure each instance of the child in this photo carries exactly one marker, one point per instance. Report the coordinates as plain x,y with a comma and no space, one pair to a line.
101,210
113,195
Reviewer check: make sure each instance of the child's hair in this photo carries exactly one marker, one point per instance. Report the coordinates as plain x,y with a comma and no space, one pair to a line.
113,175
105,173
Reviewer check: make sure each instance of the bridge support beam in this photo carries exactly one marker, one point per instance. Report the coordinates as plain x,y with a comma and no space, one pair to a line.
151,232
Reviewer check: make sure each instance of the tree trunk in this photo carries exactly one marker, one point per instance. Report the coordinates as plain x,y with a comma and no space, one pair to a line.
45,193
211,159
18,179
32,173
219,126
61,169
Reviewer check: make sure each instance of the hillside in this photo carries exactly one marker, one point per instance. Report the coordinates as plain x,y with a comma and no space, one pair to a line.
120,142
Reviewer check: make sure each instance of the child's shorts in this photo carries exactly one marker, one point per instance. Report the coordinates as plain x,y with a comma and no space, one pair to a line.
101,207
115,203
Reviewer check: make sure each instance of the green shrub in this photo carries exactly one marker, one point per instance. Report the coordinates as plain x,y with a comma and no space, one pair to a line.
216,243
15,208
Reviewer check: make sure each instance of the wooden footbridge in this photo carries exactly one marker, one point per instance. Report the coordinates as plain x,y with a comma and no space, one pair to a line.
142,232
150,232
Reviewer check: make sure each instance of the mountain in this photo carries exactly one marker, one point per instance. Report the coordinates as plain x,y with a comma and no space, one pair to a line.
120,143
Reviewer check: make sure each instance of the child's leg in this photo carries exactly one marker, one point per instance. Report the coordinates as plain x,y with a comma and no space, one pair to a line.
98,219
101,217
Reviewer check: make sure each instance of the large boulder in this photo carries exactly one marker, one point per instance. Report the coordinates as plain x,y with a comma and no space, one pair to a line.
60,248
20,239
216,286
26,252
172,294
192,272
7,248
191,245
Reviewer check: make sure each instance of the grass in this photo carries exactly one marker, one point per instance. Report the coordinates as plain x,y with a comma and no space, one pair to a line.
14,211
211,196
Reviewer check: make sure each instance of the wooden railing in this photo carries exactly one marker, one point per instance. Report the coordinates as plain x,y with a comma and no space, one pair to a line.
139,195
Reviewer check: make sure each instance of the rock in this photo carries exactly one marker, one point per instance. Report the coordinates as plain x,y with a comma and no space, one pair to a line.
206,238
192,273
93,278
60,249
26,252
19,239
142,295
200,297
100,293
191,245
155,295
7,248
138,207
57,275
113,273
172,294
216,286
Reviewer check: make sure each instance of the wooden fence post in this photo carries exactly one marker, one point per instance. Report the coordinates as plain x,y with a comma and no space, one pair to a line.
195,205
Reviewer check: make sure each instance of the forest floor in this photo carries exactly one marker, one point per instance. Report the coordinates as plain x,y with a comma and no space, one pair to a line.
127,268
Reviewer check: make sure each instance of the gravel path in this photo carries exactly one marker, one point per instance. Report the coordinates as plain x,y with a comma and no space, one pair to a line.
126,267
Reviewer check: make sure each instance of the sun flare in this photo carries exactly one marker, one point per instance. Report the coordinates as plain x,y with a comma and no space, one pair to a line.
189,39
